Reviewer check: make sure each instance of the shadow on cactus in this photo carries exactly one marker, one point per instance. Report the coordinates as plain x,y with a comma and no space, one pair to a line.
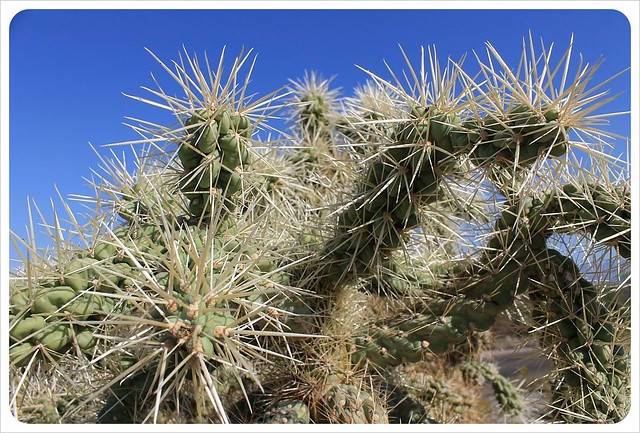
352,271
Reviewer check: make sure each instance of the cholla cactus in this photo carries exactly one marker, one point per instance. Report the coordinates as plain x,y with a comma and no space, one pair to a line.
294,279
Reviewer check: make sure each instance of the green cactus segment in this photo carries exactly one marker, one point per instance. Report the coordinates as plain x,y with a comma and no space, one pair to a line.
55,336
507,395
52,319
22,353
63,300
287,411
393,280
432,394
19,303
408,339
520,135
205,137
85,338
404,177
313,114
604,212
79,274
214,156
27,327
471,315
405,339
104,251
53,299
349,404
589,355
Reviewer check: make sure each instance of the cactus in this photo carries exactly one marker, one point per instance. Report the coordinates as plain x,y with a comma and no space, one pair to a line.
287,412
506,393
233,279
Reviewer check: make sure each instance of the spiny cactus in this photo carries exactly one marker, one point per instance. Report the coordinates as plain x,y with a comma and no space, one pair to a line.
587,332
506,393
232,278
287,411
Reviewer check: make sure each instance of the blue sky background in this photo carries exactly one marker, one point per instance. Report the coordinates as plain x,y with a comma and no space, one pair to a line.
69,68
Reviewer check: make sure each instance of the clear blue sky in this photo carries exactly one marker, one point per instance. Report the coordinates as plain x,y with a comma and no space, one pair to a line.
69,68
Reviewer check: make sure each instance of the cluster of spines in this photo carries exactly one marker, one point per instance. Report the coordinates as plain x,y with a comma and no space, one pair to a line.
87,288
518,136
313,116
309,393
313,111
147,198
